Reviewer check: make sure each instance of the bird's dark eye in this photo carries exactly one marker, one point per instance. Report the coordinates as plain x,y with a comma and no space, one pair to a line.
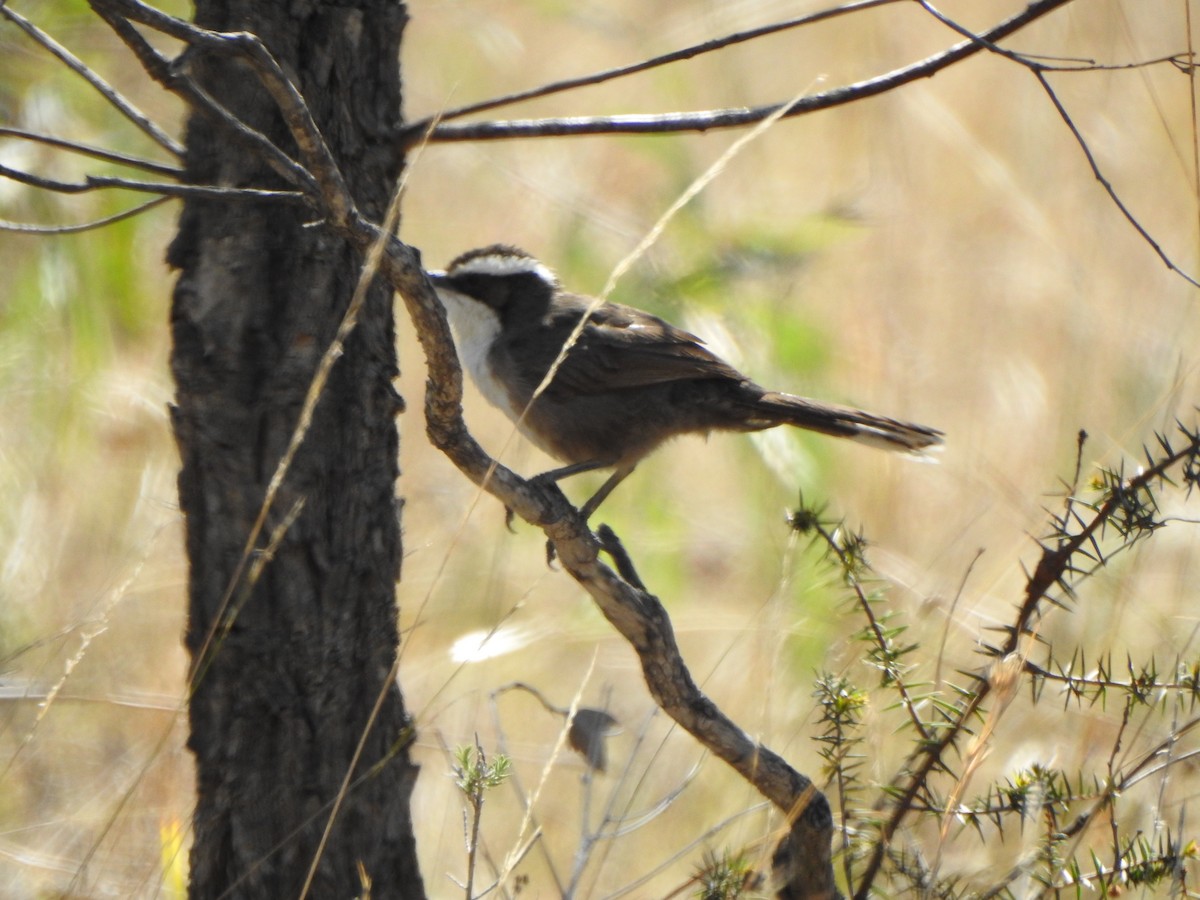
491,290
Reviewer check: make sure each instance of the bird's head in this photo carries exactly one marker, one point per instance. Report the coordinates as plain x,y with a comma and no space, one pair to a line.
500,277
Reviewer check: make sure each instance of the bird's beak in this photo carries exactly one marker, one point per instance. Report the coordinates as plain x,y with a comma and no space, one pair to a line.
437,277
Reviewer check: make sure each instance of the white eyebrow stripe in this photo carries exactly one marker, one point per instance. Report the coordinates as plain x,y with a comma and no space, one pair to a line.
500,265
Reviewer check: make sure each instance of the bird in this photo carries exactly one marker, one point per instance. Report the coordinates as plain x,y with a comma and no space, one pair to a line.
629,383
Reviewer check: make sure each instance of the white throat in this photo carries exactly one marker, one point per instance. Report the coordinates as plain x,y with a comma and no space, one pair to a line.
476,326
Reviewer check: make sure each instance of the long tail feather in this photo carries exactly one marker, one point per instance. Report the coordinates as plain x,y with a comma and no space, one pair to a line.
846,422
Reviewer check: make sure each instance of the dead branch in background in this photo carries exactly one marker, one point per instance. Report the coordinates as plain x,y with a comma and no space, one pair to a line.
163,189
79,228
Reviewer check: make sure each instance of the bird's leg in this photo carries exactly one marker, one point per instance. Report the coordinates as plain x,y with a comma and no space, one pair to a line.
621,473
556,475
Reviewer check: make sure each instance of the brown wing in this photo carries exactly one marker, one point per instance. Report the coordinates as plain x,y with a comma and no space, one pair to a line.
620,347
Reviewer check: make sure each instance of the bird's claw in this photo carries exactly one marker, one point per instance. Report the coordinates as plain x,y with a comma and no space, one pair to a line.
611,544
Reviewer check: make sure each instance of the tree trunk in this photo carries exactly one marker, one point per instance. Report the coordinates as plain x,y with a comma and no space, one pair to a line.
287,673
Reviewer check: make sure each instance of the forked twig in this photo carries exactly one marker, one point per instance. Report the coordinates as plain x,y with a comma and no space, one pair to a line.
120,159
28,228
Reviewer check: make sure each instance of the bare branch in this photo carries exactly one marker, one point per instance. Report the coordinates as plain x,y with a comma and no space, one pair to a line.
707,120
25,228
334,193
419,127
1076,683
415,130
99,153
106,90
105,182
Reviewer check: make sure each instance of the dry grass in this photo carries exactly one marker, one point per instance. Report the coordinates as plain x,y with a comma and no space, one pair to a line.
941,254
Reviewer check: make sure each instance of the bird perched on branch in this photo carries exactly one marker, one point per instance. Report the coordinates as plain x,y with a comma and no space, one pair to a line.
630,380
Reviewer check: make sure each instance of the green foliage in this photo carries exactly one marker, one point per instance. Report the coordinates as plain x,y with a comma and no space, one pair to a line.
723,876
475,774
841,745
842,707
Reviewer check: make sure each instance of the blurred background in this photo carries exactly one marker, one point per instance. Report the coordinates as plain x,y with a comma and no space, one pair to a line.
941,254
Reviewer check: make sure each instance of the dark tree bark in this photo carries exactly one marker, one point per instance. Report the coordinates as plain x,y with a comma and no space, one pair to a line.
286,673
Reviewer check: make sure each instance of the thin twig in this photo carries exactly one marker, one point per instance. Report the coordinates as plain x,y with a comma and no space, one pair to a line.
112,182
514,855
106,90
962,586
1192,110
99,153
250,48
26,228
1076,683
1107,185
701,840
876,627
96,625
514,778
1051,63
